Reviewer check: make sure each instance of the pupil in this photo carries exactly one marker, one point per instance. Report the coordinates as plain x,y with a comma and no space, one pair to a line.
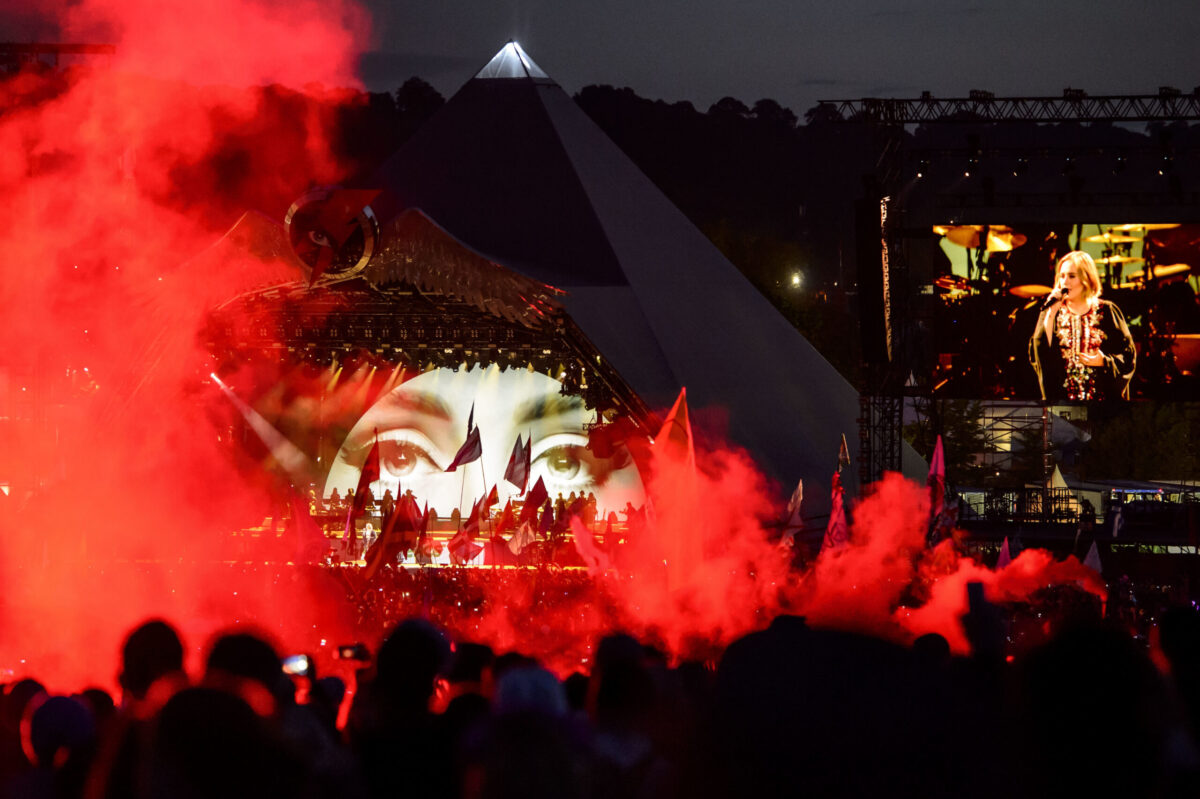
563,465
403,460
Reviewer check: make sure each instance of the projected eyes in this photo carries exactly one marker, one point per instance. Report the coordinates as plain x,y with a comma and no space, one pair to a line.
565,460
401,457
562,463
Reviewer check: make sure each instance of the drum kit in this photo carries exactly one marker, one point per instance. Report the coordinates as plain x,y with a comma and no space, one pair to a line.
1118,241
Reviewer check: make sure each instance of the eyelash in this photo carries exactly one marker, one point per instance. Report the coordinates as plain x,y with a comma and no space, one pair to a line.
423,448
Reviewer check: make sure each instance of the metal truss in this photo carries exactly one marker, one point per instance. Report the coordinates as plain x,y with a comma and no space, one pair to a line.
879,436
1073,106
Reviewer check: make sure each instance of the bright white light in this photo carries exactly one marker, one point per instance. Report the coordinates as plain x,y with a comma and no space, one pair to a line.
796,279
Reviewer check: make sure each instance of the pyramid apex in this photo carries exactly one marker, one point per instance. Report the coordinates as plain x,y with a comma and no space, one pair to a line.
512,62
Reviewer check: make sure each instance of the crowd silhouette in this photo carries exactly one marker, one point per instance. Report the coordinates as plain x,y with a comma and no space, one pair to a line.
785,711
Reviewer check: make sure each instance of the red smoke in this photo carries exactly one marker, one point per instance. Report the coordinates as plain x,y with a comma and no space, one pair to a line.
112,176
114,179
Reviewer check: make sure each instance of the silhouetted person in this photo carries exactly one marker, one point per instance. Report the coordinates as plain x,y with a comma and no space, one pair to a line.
1093,716
249,658
60,740
621,701
152,651
469,686
13,705
208,742
1179,639
403,749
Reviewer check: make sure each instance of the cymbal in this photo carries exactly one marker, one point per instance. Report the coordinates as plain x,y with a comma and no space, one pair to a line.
1147,226
951,282
1119,259
1029,291
1000,238
1160,272
1113,238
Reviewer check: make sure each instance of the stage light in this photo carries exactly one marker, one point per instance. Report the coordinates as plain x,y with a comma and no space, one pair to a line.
797,279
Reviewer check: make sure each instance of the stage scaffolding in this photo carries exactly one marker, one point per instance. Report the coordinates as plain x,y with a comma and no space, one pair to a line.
883,390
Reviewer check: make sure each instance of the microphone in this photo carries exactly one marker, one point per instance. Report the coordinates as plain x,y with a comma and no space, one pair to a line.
1054,297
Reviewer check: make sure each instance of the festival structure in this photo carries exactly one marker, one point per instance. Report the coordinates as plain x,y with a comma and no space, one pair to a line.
515,170
510,232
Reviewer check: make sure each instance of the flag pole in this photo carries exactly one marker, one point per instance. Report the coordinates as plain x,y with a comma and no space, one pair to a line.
486,494
462,485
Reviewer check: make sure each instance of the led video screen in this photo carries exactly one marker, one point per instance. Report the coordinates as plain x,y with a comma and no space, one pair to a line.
422,423
1062,313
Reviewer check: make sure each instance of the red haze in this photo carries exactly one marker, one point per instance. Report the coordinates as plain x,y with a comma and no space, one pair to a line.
112,180
112,176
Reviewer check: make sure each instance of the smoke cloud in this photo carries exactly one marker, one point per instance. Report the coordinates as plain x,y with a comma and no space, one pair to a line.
114,174
116,180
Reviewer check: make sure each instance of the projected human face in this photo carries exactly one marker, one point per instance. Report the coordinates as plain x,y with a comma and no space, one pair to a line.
423,422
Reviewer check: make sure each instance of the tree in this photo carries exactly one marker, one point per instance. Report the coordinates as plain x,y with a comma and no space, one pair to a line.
416,101
772,113
964,437
729,107
1145,441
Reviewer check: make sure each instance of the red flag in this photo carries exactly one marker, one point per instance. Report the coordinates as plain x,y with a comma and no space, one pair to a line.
517,471
398,536
836,533
533,502
310,538
368,475
463,552
939,525
472,525
505,522
426,547
521,539
1005,558
674,438
471,450
937,480
462,546
585,544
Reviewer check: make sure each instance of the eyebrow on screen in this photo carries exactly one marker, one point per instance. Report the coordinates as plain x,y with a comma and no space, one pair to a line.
420,402
548,405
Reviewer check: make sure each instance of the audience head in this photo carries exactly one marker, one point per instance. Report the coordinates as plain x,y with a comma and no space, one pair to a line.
209,742
470,663
247,656
409,663
529,689
61,728
151,651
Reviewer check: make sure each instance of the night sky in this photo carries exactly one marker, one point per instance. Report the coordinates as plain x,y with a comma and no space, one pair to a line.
793,51
801,52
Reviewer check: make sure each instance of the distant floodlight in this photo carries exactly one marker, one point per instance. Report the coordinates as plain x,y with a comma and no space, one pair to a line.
796,279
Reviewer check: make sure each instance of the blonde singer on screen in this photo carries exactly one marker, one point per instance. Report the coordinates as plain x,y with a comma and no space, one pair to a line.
1081,347
423,422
